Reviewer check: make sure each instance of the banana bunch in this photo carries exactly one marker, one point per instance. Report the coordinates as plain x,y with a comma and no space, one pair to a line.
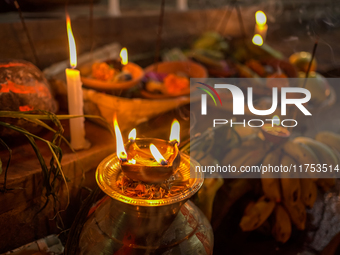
209,49
250,153
211,41
285,199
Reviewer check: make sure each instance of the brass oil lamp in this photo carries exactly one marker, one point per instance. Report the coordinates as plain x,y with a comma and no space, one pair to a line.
125,224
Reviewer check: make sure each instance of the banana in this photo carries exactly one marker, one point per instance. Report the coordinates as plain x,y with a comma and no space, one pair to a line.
326,183
242,150
253,143
238,162
291,188
234,154
211,40
336,153
232,139
208,57
257,214
245,131
329,138
206,195
297,213
271,186
249,207
308,192
314,194
282,228
322,151
302,154
256,156
251,158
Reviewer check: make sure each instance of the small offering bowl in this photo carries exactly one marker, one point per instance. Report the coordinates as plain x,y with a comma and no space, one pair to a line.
275,134
145,168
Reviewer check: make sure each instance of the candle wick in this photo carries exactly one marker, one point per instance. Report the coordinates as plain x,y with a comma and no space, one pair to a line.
164,162
123,160
174,142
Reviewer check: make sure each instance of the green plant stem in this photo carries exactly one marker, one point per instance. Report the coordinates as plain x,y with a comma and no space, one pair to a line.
37,118
27,115
8,162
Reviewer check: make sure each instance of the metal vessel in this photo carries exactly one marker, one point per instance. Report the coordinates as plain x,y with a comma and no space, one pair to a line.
125,225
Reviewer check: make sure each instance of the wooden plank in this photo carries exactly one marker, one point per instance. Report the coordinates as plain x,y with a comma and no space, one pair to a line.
24,174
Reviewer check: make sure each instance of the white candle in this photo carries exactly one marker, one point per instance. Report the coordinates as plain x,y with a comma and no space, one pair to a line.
182,5
113,8
261,27
75,96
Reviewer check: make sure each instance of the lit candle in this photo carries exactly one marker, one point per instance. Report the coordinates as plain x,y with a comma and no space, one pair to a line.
182,5
261,27
114,8
75,95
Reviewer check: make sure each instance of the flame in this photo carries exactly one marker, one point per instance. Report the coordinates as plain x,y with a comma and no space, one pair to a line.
71,43
174,133
132,161
124,56
276,120
133,134
156,154
257,40
261,18
120,150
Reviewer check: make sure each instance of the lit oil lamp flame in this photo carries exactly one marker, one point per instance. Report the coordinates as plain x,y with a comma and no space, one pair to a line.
175,132
261,18
276,120
71,43
157,155
124,56
120,150
274,132
133,134
257,40
132,161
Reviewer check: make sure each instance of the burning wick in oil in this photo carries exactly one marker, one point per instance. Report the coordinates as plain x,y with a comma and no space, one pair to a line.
157,155
120,150
174,133
274,132
122,154
150,160
132,135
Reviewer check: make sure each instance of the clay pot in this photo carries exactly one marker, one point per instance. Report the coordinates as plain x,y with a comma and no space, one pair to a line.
23,87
